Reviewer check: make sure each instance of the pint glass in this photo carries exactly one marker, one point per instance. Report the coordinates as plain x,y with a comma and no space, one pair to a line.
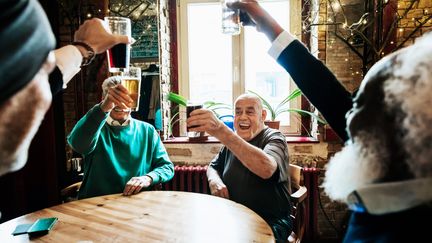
119,55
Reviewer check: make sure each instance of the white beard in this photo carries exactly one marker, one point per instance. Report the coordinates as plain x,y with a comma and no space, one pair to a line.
354,167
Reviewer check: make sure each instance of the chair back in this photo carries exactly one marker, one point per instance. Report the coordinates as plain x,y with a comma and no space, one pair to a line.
298,196
70,193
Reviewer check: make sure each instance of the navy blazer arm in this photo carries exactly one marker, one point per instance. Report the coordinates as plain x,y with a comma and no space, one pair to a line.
318,84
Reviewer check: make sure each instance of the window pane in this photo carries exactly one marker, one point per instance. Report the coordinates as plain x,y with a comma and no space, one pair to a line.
262,74
210,61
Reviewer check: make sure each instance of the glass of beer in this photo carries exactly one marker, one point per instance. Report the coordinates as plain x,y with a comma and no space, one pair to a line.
119,55
131,80
189,108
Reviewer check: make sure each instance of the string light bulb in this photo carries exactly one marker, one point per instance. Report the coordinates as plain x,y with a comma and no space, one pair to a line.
336,6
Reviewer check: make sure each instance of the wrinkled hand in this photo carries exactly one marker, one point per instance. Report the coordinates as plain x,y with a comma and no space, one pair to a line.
96,34
218,188
116,96
135,184
205,120
250,11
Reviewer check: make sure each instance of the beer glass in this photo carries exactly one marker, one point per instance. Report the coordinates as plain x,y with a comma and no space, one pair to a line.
230,19
131,80
189,108
119,55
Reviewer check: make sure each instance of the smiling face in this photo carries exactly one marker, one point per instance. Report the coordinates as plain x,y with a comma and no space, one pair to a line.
120,114
249,116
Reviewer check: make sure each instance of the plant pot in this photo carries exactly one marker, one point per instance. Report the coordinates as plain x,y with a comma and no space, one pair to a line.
272,124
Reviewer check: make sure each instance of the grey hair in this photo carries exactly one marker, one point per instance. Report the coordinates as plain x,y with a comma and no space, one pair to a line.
110,82
410,93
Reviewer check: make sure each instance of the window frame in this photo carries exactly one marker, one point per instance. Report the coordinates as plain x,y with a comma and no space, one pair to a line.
297,124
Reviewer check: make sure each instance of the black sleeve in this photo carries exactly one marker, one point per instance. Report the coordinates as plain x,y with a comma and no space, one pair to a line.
56,81
318,84
277,148
218,162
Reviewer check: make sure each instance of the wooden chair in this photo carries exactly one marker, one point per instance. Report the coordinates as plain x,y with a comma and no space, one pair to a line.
298,196
70,193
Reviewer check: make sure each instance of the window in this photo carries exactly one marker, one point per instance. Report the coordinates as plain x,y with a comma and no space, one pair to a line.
219,67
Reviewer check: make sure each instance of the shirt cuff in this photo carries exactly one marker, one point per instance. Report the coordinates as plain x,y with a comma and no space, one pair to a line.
155,177
280,43
68,60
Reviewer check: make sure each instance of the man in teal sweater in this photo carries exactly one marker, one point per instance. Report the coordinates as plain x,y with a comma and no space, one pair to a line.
121,154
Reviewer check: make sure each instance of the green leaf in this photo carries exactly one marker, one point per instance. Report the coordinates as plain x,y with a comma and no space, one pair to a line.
266,105
294,94
303,112
178,99
216,105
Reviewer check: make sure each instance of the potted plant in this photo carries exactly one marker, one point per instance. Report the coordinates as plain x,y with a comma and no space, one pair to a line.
214,106
275,111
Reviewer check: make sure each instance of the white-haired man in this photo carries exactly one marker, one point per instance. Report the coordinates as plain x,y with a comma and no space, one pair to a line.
121,154
252,167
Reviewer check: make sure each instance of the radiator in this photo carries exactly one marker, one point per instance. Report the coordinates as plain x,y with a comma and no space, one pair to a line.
310,176
188,179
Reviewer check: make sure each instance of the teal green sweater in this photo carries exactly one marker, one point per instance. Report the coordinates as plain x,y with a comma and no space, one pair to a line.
114,154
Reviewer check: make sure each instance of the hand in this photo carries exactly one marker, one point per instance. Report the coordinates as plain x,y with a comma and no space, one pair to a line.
95,33
218,188
205,120
135,184
116,96
251,13
246,19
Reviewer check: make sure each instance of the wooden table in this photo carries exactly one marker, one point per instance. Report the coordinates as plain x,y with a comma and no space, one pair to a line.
154,216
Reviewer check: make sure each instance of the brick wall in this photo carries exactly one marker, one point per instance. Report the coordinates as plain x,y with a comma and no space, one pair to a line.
165,58
421,12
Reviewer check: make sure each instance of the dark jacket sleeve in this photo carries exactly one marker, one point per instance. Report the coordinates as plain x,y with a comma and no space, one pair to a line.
318,84
56,81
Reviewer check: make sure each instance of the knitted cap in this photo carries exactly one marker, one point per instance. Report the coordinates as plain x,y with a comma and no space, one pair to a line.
26,39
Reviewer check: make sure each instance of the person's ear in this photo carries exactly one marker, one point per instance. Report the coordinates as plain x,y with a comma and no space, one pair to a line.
264,114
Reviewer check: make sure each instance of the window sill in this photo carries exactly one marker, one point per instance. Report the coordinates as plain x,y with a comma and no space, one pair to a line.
289,139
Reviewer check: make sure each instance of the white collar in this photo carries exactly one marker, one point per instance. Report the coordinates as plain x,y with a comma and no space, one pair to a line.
116,123
391,197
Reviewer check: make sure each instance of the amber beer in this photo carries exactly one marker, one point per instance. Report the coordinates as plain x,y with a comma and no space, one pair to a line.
133,86
118,57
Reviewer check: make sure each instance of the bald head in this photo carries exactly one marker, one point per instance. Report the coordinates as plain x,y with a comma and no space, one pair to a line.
253,97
